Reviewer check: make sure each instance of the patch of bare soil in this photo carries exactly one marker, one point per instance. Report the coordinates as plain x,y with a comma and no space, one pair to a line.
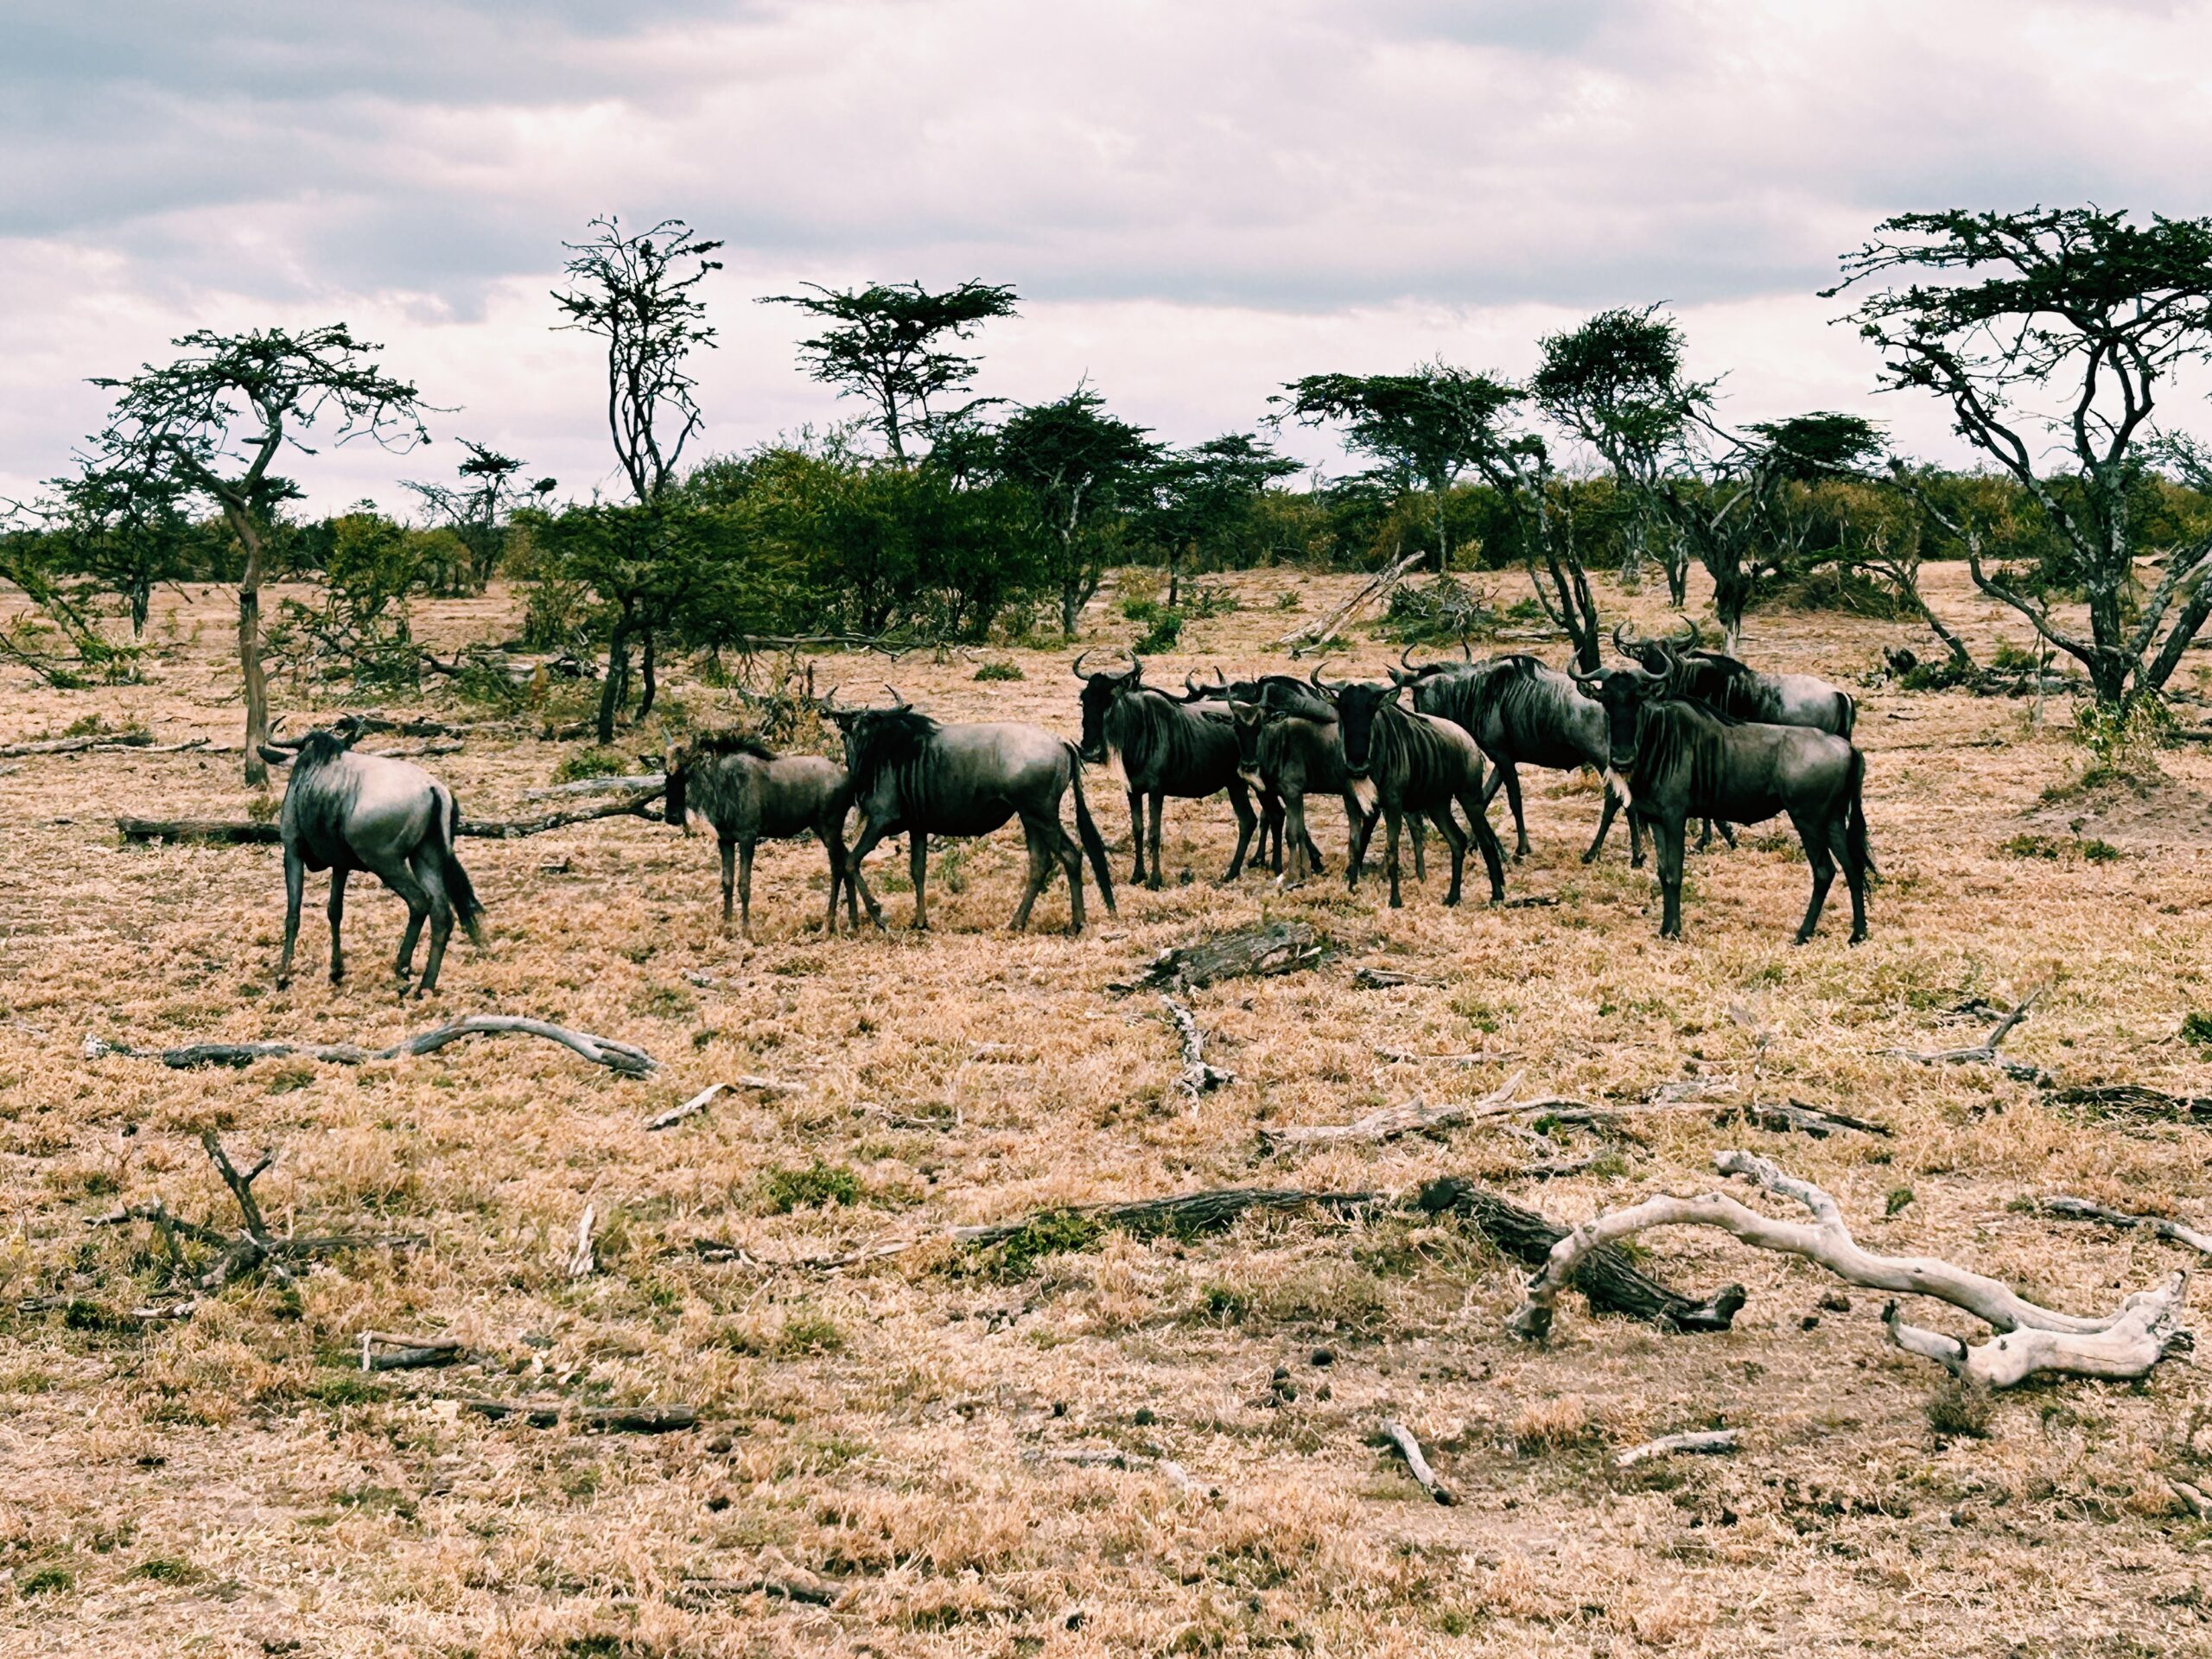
2138,814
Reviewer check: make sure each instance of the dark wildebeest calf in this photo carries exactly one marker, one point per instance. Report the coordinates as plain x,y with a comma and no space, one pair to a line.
1676,760
1519,711
345,812
1161,746
751,794
1292,755
913,777
1414,763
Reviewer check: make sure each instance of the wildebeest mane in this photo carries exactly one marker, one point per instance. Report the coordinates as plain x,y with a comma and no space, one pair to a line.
731,742
888,737
318,746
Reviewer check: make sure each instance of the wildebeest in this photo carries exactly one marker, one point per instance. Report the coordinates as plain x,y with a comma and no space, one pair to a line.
1161,746
912,776
1413,763
749,793
1519,711
1677,760
344,812
1735,689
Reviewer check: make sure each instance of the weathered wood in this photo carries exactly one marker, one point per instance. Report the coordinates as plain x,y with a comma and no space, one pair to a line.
79,745
600,1051
383,1351
244,832
221,831
1985,1052
1704,1442
2032,1339
1196,1078
1606,1276
1416,1464
583,1256
707,1096
1383,979
2081,1210
635,806
1376,588
1794,1114
814,1592
1388,1123
547,1414
598,785
1249,953
2135,1100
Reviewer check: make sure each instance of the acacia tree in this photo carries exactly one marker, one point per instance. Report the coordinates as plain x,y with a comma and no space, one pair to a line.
211,423
640,293
2054,332
1738,498
892,343
476,508
1203,495
1076,462
1617,384
1426,427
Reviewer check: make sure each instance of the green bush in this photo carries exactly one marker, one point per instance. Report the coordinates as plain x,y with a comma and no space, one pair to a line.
1000,671
783,1191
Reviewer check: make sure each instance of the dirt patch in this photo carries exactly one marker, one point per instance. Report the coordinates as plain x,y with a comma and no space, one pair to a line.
2130,813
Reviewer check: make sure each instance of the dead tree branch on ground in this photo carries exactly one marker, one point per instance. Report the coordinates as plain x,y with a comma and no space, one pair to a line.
600,1051
1416,1464
246,832
1704,1442
2083,1209
1196,1078
1248,953
1985,1052
1376,588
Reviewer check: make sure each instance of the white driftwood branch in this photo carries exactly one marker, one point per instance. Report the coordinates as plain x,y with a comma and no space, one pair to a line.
1197,1076
1985,1052
2138,1335
2083,1209
2141,1334
1300,640
1706,1441
1388,1123
706,1097
600,785
600,1051
1417,1462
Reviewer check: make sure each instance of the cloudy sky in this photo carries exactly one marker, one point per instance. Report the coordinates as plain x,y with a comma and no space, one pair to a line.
1196,200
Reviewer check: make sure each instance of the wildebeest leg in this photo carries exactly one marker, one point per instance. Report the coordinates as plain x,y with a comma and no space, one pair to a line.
729,876
1361,828
869,835
1043,854
1319,864
1512,774
295,876
1605,824
833,846
745,849
337,913
1071,856
1667,837
401,881
1441,817
1814,835
1136,837
1727,832
1293,861
1240,803
425,864
1854,875
1158,806
1636,832
1485,838
917,867
1420,857
1392,820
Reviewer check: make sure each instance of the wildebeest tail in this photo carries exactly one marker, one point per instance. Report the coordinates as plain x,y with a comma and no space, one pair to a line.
466,907
1854,828
1094,845
1846,714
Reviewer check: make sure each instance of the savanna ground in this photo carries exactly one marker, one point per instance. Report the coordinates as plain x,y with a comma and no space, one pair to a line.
232,1483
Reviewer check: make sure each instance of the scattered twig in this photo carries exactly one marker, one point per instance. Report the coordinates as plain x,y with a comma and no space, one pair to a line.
1406,1057
1784,1116
1985,1052
383,1351
1197,1076
1704,1442
141,740
1416,1464
600,1051
706,1097
2192,1497
1388,1123
2134,1100
2124,1343
1383,979
583,1258
2081,1210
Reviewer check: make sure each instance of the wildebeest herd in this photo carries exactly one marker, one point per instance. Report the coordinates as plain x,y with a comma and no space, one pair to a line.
1677,733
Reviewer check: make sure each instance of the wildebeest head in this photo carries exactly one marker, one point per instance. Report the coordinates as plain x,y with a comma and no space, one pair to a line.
1358,705
1409,673
1656,656
683,753
876,738
1250,720
1622,693
1099,691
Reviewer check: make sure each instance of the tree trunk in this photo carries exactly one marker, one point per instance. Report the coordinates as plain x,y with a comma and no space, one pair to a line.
645,668
257,684
612,693
1443,541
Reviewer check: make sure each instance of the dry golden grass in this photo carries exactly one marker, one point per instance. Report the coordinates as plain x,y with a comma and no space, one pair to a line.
233,1485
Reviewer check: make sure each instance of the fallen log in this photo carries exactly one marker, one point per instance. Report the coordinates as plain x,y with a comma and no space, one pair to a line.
1249,953
600,1051
2083,1209
1416,1464
599,785
2124,1343
547,1414
79,745
1782,1117
1388,1123
1376,588
814,1592
1612,1283
706,1097
2135,1100
1703,1443
247,832
383,1350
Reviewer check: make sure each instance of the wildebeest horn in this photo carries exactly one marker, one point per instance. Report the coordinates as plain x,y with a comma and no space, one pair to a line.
1081,658
1315,680
1619,643
829,701
1690,634
897,702
1404,662
1581,678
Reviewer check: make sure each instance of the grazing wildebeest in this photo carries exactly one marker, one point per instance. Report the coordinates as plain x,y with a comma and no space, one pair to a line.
749,793
1414,763
912,776
1292,756
345,812
1520,712
1676,759
1161,746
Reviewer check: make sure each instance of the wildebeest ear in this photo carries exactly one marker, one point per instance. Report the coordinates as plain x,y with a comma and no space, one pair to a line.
277,757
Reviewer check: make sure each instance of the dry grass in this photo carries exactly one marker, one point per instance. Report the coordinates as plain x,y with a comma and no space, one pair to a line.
230,1486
